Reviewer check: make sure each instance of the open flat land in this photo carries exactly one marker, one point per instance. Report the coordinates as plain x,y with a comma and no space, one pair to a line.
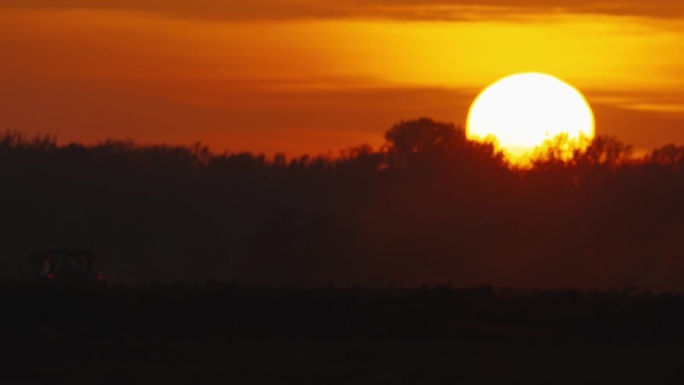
260,334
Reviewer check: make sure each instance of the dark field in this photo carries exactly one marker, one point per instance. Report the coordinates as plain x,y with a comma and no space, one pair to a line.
230,333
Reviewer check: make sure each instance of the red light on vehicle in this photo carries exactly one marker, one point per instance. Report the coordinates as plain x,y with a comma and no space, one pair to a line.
100,277
51,276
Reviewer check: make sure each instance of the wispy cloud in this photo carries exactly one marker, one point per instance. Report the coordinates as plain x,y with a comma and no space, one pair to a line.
385,9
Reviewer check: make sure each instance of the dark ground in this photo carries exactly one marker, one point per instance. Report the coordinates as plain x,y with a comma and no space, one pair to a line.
258,334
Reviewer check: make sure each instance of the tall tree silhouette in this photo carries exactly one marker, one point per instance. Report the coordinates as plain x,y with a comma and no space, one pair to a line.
421,137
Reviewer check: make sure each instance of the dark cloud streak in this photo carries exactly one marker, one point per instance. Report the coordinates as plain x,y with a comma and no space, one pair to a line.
382,9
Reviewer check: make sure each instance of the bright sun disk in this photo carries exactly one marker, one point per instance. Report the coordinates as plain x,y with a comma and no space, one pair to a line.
522,112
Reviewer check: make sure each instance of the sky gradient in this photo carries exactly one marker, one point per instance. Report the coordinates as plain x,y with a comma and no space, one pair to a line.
314,76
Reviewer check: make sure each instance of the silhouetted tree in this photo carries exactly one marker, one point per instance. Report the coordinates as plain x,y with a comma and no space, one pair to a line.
670,155
421,137
606,151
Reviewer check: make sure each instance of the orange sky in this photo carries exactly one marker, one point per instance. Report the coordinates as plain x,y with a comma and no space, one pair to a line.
315,76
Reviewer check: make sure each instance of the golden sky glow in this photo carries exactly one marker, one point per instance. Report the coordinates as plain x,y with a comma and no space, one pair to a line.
316,77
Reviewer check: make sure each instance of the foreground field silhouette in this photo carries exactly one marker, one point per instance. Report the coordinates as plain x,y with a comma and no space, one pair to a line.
429,207
184,333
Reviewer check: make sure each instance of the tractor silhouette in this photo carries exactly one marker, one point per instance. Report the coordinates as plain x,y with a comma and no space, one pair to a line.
63,266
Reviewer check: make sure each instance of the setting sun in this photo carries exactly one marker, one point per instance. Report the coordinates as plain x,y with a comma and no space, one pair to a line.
522,112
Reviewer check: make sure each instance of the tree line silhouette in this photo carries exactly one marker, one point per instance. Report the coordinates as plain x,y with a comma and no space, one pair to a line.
429,207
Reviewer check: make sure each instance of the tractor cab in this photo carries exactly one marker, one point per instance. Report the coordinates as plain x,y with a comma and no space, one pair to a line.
66,266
